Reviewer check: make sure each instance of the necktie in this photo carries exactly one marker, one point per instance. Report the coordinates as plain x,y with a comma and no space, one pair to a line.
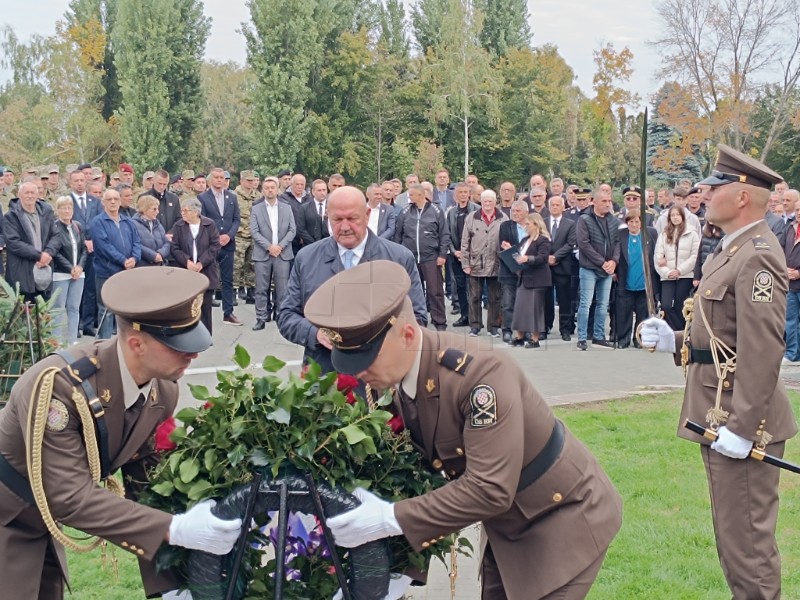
554,229
349,256
131,416
81,203
319,209
410,415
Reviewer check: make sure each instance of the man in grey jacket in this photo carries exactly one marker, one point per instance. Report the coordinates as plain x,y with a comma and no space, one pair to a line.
272,228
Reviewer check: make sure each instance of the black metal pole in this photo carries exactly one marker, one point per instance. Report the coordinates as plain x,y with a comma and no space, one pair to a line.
233,574
331,543
280,550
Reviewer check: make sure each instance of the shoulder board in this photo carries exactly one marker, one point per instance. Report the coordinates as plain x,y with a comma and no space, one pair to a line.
760,243
455,360
81,369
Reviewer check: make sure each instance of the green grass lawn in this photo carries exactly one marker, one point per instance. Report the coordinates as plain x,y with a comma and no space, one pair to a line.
665,549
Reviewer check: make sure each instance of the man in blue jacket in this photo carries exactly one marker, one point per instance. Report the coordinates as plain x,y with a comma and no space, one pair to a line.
116,248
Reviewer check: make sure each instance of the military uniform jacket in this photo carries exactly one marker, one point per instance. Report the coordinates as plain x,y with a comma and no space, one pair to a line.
743,295
73,498
245,198
543,536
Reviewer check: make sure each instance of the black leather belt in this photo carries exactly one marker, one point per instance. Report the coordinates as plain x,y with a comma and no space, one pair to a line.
545,459
704,357
15,482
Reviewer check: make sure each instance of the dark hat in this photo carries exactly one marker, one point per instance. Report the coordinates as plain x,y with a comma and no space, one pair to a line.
125,168
163,302
83,166
736,167
200,176
582,192
694,190
356,309
632,190
284,173
174,179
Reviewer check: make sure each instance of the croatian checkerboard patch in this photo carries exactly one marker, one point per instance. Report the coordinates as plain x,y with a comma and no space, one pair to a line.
57,416
763,283
483,401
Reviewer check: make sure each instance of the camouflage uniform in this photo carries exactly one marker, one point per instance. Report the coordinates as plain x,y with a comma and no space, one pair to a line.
244,274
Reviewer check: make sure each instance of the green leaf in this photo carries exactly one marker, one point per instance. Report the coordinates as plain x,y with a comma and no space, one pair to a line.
313,371
262,387
200,392
259,457
272,364
178,435
210,459
164,488
353,434
237,455
187,415
241,357
280,415
189,470
199,490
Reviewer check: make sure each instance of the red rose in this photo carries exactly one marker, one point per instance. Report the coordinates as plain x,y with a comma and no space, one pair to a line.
396,423
207,405
163,431
346,383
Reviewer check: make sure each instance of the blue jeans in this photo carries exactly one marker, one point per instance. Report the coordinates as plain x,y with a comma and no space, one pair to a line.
793,326
591,281
67,314
106,317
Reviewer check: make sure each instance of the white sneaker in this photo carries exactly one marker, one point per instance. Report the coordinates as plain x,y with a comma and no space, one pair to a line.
786,362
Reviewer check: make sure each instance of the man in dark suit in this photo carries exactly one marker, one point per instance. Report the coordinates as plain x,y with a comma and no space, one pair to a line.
169,206
442,194
312,224
563,267
351,243
297,197
221,206
631,291
382,216
86,208
511,234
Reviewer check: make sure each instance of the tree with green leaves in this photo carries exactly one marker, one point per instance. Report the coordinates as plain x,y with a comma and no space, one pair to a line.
144,58
505,25
426,22
283,46
462,83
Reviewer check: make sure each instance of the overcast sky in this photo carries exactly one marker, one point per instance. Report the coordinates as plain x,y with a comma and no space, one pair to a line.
577,27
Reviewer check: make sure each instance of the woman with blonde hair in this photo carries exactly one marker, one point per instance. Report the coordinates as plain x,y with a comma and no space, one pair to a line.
534,281
68,276
675,257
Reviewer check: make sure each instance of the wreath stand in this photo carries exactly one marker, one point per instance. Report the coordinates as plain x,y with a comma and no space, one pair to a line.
19,352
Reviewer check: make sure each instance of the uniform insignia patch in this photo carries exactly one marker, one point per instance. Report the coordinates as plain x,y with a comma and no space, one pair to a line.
763,283
760,243
57,416
455,360
106,396
483,402
430,385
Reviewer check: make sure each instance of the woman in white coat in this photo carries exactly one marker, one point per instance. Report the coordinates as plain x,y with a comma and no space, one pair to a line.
676,253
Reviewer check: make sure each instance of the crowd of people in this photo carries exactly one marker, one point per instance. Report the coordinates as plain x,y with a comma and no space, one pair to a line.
505,260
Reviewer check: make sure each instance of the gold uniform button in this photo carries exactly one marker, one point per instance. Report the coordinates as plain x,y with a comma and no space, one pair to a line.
708,292
140,552
557,497
726,384
434,540
437,464
452,472
425,544
441,537
763,421
124,544
460,451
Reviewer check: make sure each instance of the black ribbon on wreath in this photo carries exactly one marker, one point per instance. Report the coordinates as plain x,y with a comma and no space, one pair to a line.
213,577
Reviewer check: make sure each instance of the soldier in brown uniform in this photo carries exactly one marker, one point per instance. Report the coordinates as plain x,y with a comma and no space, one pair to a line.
732,348
114,392
244,275
548,510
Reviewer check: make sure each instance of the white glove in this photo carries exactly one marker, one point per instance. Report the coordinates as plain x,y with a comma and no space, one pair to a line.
198,529
731,445
177,595
398,584
655,333
373,520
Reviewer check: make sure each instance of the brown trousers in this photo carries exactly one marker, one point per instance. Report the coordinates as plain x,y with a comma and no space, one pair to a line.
577,589
744,507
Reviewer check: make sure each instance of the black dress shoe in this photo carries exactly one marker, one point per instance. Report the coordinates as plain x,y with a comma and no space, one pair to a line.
260,324
566,337
455,310
269,318
462,322
602,342
531,344
582,345
516,342
89,331
249,299
543,336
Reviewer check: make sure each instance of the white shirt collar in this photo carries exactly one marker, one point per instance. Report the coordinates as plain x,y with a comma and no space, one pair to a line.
409,382
729,237
130,390
358,250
